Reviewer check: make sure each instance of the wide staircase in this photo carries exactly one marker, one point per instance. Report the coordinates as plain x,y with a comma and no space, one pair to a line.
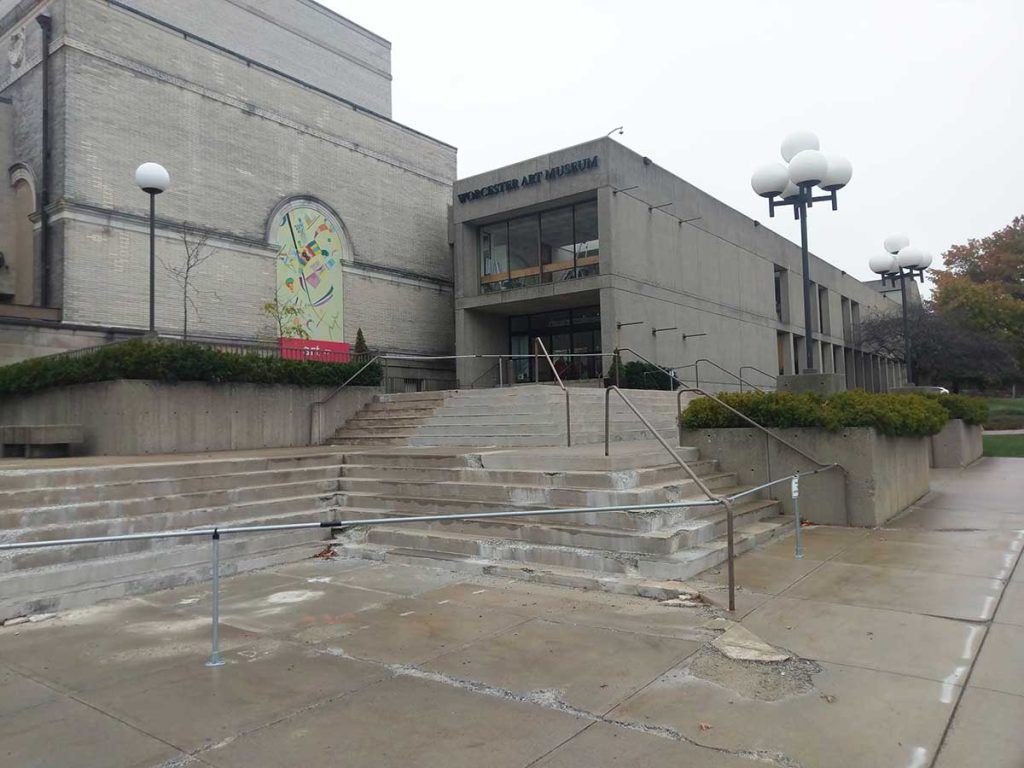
613,550
91,497
522,416
434,455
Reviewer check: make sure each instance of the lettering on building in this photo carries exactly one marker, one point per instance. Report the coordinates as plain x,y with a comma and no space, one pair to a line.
529,180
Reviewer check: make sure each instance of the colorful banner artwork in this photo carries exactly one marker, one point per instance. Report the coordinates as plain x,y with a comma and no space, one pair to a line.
310,245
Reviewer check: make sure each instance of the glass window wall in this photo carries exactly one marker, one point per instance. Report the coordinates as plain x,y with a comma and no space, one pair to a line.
560,244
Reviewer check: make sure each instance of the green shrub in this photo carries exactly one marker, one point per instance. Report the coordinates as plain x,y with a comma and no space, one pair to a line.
172,361
973,410
894,415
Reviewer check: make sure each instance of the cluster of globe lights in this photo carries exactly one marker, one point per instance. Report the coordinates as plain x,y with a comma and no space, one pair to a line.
899,255
807,167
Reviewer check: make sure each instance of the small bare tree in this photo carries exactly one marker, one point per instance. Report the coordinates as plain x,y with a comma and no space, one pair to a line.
196,246
287,319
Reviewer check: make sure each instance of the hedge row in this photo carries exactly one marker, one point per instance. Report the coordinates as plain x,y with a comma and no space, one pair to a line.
894,415
171,361
973,410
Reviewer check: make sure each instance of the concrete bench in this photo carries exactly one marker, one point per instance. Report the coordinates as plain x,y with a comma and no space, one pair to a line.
40,440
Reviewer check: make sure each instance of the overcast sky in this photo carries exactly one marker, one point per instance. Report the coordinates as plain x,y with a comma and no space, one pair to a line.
923,97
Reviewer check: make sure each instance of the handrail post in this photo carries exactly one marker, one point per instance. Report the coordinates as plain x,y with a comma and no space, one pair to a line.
384,379
607,417
215,659
731,552
795,487
501,372
568,425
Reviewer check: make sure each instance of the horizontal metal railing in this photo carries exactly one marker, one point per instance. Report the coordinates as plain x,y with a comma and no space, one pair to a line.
216,532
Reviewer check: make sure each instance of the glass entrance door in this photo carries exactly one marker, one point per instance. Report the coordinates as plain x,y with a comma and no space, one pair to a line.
567,335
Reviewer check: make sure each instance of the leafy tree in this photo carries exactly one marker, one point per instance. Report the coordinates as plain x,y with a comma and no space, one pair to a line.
983,285
947,348
286,319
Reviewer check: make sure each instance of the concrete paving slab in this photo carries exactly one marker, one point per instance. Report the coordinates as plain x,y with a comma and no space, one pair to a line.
570,606
195,707
312,568
852,728
916,556
609,746
986,732
111,642
579,665
1000,666
747,600
759,572
820,542
938,594
1011,607
406,722
64,732
21,692
873,638
961,515
195,598
1000,541
407,580
407,631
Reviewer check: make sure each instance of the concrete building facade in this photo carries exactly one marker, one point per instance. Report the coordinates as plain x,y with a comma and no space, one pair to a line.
273,118
594,248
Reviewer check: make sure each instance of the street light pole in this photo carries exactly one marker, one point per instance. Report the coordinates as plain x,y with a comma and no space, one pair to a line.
793,185
152,179
902,262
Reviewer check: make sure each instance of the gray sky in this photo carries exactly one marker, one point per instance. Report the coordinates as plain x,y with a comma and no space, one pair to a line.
923,97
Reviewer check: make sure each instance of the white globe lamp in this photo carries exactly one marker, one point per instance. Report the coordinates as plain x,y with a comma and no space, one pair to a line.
883,263
808,167
770,179
797,142
896,243
839,173
152,178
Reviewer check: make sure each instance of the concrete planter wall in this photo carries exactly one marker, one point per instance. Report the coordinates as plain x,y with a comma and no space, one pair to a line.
957,445
884,476
127,418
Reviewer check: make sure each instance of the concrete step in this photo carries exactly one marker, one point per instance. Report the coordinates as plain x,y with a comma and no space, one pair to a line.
637,571
76,584
141,489
544,495
96,514
617,479
170,520
14,561
116,471
476,537
623,455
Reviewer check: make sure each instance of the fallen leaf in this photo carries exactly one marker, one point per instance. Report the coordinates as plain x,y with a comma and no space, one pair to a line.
828,697
326,553
704,726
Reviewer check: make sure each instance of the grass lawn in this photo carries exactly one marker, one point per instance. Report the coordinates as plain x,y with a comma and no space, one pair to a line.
1005,413
1004,445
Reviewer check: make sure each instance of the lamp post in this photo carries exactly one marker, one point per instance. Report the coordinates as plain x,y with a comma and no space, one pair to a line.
794,185
899,262
152,179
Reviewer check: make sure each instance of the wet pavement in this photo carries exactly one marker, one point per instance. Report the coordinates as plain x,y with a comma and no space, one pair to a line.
907,650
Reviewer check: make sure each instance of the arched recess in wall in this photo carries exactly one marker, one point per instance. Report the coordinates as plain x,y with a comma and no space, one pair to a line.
311,244
19,252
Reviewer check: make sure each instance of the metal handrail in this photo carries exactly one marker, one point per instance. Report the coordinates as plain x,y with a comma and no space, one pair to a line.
316,409
718,499
568,427
740,379
763,373
699,391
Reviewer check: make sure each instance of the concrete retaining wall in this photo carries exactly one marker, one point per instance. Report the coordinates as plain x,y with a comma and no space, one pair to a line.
957,445
127,418
885,475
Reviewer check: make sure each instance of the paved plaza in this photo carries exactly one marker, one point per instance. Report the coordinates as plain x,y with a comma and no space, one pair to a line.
907,650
